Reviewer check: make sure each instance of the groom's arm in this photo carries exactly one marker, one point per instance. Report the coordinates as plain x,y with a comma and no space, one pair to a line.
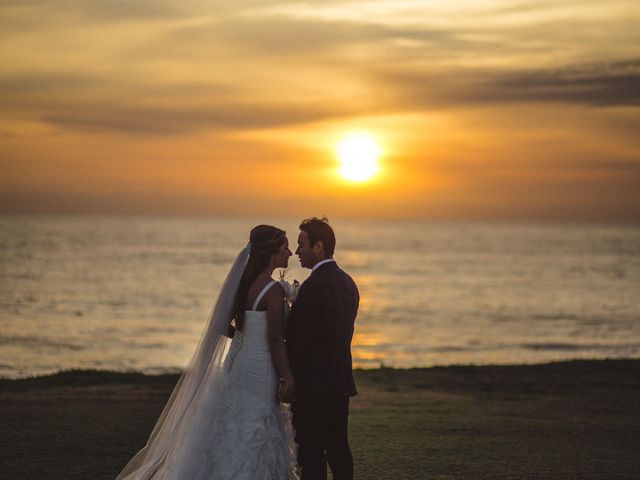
304,329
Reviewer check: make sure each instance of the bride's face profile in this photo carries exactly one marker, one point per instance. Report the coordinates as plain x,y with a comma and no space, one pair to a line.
281,257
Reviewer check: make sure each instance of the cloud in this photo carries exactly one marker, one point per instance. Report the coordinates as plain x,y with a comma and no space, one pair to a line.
41,82
341,42
23,15
613,166
89,103
593,84
64,100
140,120
280,64
277,37
599,84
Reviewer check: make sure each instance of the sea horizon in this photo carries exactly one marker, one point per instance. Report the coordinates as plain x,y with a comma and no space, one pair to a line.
551,220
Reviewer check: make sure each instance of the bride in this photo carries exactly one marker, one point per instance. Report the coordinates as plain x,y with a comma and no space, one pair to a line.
223,419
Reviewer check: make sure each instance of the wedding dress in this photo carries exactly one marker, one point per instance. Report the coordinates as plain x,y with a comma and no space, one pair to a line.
223,420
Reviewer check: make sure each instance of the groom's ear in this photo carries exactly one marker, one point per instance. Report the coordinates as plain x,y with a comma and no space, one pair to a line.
318,248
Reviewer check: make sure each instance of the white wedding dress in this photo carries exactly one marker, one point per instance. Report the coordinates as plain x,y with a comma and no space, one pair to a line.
258,429
234,428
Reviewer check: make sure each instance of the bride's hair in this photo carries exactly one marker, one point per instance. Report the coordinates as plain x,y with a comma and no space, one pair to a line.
265,240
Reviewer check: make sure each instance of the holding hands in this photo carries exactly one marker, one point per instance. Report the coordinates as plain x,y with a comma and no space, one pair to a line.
287,390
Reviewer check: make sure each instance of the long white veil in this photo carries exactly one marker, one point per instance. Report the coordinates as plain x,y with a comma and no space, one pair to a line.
202,376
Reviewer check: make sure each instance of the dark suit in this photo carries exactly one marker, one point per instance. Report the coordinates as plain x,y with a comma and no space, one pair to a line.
319,332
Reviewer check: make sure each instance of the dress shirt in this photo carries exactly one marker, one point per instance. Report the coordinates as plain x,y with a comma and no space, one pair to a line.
322,263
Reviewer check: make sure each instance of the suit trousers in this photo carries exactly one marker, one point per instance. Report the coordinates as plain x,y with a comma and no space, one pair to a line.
321,433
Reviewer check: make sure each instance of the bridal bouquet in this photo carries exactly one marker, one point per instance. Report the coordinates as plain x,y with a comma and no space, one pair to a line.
290,289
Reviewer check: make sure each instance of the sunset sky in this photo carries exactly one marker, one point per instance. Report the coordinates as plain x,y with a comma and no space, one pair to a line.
505,109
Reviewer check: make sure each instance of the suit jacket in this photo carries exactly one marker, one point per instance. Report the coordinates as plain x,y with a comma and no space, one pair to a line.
319,333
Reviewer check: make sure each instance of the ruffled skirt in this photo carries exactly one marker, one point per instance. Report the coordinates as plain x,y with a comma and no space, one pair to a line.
243,433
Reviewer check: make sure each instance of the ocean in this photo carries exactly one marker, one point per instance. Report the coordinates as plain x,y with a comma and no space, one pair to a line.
134,293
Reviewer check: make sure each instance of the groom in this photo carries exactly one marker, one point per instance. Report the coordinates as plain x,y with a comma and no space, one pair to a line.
319,332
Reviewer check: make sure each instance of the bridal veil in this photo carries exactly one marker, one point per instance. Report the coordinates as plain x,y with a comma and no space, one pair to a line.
203,375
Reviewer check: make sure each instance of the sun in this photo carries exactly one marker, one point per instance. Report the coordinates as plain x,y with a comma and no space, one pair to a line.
358,153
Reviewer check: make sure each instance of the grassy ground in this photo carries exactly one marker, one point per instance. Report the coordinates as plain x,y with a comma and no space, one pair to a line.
578,420
572,420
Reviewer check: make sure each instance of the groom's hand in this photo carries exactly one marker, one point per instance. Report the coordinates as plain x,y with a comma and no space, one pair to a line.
287,391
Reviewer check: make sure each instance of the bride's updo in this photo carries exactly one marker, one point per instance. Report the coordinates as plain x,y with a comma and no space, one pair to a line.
264,241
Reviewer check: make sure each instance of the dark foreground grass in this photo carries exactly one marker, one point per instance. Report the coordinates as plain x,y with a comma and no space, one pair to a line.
571,420
575,420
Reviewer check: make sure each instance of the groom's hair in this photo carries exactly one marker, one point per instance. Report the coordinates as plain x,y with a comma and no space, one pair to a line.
318,229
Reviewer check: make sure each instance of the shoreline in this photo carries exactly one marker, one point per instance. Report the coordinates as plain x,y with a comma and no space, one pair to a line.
136,376
559,421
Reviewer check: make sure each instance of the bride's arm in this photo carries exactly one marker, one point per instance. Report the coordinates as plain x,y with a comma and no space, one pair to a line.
275,333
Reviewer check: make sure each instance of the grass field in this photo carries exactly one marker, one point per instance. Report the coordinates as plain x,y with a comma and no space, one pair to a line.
570,420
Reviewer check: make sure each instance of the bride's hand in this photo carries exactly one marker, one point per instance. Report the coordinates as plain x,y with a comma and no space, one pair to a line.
287,391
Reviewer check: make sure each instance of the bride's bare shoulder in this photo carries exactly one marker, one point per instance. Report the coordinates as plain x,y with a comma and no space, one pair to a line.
255,288
276,291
